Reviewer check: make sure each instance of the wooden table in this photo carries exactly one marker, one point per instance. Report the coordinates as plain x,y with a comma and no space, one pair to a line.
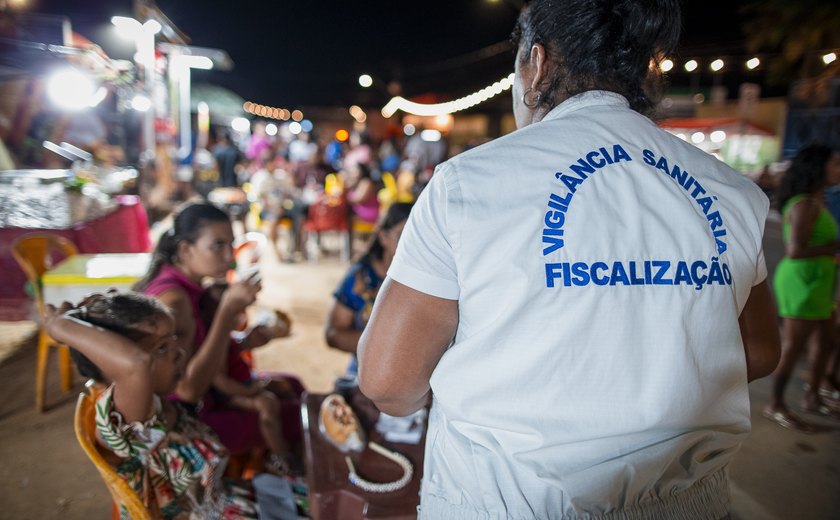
331,495
80,275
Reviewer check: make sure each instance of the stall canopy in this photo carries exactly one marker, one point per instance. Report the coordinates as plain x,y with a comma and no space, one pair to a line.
224,105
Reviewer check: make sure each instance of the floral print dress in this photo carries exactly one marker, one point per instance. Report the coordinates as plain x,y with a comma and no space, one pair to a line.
177,472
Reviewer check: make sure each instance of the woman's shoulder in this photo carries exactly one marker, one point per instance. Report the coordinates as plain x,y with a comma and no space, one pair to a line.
167,279
803,204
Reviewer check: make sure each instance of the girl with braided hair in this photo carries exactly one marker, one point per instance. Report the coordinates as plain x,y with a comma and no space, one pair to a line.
172,460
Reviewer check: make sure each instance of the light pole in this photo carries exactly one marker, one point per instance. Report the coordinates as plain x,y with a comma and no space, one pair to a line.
181,65
143,35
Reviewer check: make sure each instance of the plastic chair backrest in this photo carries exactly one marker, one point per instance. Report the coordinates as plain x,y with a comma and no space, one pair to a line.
85,426
333,185
36,253
388,194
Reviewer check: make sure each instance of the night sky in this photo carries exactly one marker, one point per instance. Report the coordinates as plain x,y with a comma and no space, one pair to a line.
298,53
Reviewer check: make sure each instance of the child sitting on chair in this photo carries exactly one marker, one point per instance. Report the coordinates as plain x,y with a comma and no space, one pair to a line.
174,461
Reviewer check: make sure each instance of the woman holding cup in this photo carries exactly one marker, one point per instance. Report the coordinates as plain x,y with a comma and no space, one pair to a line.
244,413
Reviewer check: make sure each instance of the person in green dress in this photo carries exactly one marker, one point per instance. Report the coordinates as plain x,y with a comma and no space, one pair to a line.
806,278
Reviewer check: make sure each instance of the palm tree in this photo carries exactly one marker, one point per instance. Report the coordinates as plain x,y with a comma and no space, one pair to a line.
799,31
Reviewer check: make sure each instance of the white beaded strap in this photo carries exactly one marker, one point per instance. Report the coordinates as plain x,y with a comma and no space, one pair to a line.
382,487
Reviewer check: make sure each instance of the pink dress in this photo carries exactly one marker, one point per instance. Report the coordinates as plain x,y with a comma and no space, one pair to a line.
238,429
367,210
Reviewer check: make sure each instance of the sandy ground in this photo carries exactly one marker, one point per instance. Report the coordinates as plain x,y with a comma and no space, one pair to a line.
777,474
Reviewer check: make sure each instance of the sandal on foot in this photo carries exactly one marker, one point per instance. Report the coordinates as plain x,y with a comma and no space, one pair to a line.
820,408
825,392
830,395
787,419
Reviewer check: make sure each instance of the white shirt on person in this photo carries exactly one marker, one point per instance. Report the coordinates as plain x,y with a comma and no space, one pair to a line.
600,265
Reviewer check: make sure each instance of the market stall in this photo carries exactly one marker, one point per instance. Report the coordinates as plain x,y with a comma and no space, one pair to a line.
743,145
52,201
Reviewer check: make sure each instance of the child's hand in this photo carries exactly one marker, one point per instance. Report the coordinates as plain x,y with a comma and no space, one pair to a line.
53,315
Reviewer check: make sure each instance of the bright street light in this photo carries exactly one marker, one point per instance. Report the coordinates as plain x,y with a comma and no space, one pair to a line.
73,90
753,63
132,29
193,62
666,65
691,65
365,80
141,103
152,26
716,65
829,58
143,35
129,28
180,67
240,124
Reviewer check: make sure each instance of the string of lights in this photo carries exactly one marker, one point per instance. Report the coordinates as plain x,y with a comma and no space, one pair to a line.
439,109
281,114
449,107
717,64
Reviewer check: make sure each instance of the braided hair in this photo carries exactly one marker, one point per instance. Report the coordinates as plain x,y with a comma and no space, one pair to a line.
122,313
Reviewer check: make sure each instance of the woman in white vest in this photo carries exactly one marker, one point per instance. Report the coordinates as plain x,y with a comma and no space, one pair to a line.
584,299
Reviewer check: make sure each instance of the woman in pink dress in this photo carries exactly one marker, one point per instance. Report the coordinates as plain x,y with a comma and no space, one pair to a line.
244,413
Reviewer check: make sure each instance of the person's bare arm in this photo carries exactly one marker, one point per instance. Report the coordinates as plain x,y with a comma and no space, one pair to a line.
407,334
207,361
759,333
803,215
120,360
232,387
340,332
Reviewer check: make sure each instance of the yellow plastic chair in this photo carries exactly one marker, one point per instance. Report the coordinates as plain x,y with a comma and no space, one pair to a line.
36,253
85,425
405,185
333,185
388,194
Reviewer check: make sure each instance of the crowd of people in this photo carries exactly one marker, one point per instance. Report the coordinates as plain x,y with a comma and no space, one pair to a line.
177,398
286,177
557,324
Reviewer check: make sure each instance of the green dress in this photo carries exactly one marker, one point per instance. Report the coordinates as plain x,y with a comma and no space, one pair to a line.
804,287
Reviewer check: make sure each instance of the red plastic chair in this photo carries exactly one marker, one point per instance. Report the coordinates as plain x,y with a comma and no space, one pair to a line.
329,214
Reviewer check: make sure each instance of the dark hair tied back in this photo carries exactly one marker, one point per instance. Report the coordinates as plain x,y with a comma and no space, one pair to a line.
187,225
600,45
397,213
805,175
